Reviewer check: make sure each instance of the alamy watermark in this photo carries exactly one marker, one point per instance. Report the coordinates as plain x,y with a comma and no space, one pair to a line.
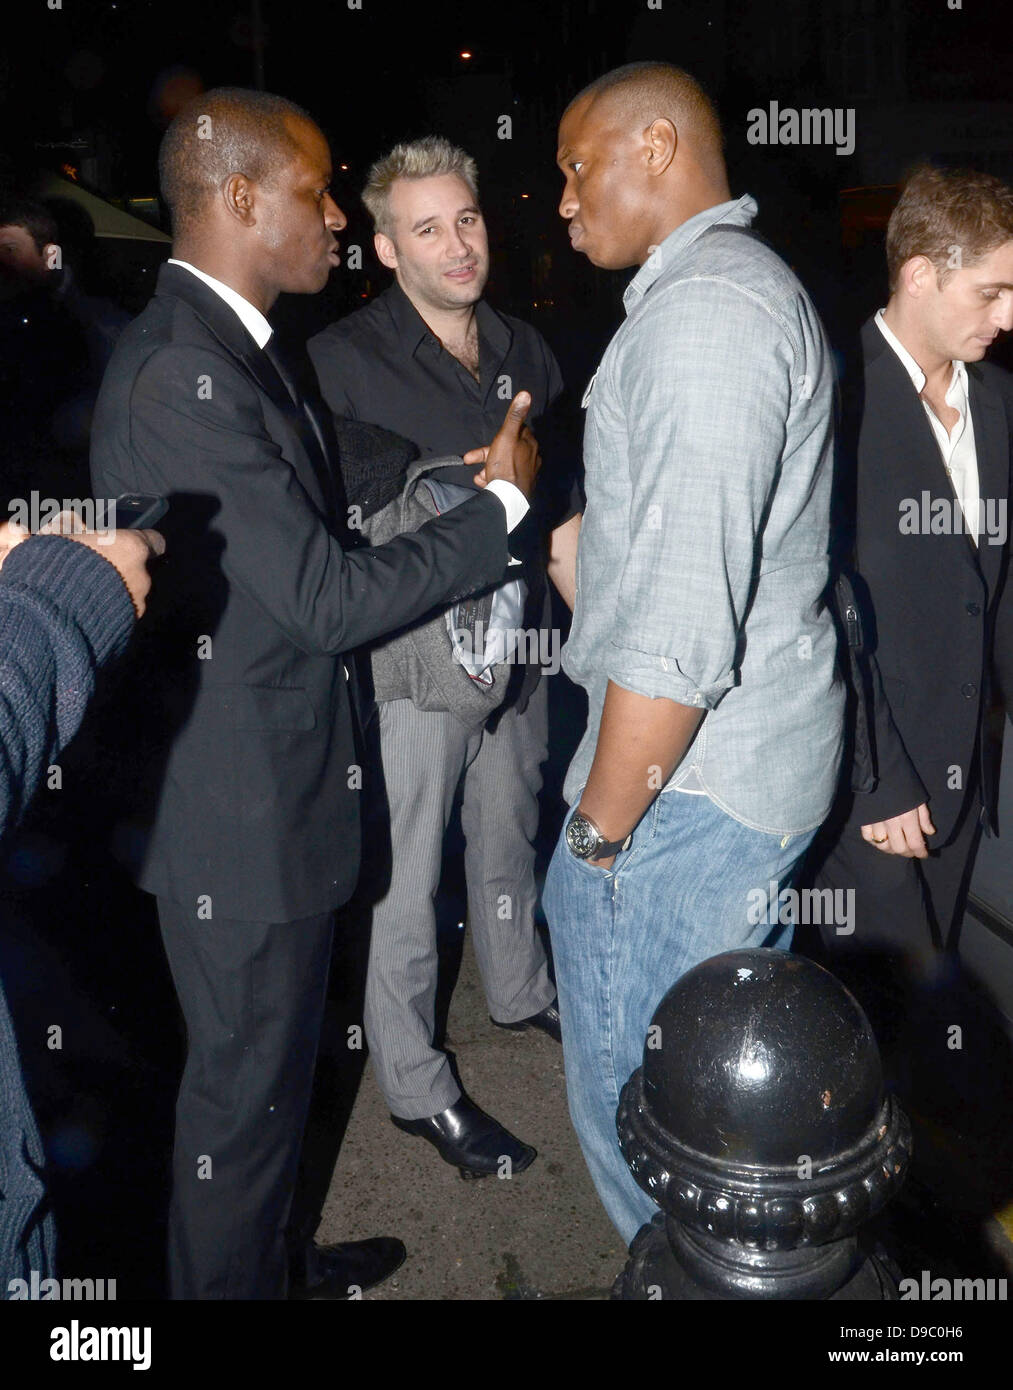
520,646
34,512
944,516
803,907
787,125
77,1343
39,1290
953,1290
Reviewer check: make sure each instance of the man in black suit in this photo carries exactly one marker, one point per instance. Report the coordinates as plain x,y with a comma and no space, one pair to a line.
926,455
250,753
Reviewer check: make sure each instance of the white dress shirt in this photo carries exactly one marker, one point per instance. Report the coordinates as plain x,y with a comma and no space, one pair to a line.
960,457
515,504
250,317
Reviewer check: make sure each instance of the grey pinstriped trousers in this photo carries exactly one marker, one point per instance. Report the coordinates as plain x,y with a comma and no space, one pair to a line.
424,756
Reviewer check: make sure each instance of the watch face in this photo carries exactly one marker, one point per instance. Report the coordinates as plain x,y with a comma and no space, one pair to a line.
581,836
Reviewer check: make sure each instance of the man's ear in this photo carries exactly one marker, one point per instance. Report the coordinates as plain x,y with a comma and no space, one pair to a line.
918,276
662,141
238,197
386,251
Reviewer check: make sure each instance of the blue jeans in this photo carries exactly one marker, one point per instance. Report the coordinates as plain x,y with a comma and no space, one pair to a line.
686,889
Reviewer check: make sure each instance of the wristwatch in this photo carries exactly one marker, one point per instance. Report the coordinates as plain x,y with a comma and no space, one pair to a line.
585,841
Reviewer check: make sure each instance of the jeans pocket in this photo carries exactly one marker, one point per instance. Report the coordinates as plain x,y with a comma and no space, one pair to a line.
597,870
644,832
643,835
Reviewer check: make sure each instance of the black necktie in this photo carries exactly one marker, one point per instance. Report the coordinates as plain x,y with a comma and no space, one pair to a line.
360,681
310,432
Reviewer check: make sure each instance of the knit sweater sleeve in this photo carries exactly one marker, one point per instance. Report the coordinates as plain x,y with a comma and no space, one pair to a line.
64,610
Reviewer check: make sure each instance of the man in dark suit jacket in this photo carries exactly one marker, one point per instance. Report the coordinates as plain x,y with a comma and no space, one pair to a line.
927,455
250,754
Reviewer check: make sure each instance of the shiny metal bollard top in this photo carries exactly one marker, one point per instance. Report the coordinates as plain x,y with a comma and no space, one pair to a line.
758,1124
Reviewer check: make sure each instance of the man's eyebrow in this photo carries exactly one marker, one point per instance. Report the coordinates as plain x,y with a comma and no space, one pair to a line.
434,217
562,154
996,285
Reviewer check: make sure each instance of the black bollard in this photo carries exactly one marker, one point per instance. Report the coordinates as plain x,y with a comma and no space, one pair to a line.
758,1124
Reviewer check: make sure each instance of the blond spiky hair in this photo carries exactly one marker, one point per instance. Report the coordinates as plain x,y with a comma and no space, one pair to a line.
418,159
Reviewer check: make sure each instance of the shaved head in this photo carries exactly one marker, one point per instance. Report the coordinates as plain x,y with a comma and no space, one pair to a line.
640,153
226,131
636,95
247,178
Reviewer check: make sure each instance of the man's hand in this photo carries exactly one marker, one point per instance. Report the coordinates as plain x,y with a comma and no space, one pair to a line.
513,454
903,835
640,744
11,534
128,551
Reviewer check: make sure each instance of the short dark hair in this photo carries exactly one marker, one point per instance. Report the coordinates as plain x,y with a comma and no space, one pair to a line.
230,130
37,221
651,89
943,211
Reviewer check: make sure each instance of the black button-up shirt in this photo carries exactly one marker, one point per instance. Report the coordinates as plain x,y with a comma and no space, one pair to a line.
383,365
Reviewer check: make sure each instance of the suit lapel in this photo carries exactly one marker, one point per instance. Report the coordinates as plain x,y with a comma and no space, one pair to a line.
316,420
902,437
275,369
224,324
991,446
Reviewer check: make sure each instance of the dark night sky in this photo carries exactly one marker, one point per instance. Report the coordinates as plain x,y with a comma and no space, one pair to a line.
97,69
369,75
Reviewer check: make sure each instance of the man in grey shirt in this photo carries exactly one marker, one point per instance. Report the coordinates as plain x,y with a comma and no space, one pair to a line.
699,630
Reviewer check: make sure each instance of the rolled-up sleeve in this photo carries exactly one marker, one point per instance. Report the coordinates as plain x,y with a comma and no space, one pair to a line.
706,385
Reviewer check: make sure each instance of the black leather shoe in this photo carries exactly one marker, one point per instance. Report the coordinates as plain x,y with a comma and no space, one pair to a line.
471,1139
547,1020
343,1271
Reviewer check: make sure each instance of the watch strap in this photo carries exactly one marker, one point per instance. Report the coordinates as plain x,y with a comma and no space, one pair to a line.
604,847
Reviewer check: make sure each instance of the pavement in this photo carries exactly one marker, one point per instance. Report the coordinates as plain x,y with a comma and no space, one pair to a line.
541,1234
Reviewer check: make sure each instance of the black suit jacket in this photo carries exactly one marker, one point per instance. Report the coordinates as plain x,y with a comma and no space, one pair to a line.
938,608
241,734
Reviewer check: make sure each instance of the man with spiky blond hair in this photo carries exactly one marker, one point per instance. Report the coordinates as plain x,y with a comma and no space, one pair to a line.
431,360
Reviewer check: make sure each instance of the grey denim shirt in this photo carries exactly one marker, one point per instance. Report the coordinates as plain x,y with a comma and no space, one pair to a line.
703,551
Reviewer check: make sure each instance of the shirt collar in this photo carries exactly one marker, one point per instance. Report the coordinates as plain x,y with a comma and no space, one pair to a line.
911,366
737,212
250,317
409,325
412,329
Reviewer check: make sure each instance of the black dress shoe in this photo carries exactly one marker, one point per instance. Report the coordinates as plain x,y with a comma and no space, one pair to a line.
547,1020
344,1271
471,1139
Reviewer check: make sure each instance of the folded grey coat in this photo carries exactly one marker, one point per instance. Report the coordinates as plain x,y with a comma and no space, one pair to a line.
419,663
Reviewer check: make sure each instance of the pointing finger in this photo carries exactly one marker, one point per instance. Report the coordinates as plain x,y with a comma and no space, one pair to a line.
516,412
